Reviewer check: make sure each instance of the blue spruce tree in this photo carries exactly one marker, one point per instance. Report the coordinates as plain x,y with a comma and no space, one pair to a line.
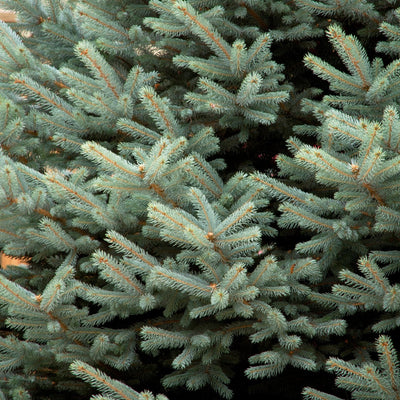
143,252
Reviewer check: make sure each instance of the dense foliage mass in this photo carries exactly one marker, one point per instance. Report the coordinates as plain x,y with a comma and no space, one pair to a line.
204,196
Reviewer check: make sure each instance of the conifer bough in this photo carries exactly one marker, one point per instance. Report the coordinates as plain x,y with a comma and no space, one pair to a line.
143,247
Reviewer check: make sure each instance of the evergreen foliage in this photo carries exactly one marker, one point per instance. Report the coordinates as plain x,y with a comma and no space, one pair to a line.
154,236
